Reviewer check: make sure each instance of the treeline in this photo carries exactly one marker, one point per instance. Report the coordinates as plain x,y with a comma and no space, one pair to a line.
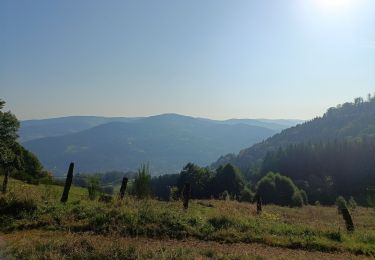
205,183
349,121
327,169
227,182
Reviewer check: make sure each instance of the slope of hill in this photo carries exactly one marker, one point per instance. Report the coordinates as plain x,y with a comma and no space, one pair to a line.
275,124
35,129
345,122
167,142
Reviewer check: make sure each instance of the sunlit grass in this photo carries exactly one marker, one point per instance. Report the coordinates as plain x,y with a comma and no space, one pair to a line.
312,228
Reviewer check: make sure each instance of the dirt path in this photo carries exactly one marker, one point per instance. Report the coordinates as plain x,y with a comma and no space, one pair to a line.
195,248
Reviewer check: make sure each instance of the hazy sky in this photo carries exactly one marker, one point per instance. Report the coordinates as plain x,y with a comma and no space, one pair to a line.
210,58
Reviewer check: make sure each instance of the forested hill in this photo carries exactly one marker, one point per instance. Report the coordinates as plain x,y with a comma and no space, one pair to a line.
167,142
349,121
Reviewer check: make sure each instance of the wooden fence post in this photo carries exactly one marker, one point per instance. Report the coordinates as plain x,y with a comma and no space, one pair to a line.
68,183
186,195
5,181
348,219
259,204
123,187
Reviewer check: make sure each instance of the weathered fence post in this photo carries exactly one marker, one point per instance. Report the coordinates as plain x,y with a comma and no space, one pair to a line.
186,195
348,219
123,187
5,181
68,183
259,204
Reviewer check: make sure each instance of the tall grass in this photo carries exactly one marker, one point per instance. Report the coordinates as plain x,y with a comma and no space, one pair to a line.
29,207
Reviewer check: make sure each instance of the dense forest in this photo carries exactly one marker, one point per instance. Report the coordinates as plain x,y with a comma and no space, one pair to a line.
327,169
346,122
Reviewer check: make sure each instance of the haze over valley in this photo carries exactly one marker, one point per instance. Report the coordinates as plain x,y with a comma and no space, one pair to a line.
167,142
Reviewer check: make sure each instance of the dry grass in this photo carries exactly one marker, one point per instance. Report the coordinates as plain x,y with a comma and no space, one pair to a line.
311,231
63,245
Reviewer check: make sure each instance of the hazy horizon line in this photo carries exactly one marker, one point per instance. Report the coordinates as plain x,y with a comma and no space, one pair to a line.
162,114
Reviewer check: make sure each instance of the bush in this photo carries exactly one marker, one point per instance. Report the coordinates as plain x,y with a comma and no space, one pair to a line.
278,189
341,203
225,195
297,199
247,195
13,206
173,193
352,204
304,197
93,187
142,182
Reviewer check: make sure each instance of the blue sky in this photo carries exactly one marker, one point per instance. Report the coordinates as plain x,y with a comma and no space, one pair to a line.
212,58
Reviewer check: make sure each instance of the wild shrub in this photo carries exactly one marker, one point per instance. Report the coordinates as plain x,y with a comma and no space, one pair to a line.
335,236
341,204
93,187
247,195
225,196
142,182
304,197
278,189
14,206
173,193
352,204
220,222
297,199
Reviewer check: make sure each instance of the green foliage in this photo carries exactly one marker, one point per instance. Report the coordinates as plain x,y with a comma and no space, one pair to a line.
280,190
199,178
327,169
161,185
14,158
308,228
142,182
304,197
247,195
352,204
93,187
173,193
225,195
206,183
297,199
229,179
16,207
8,134
333,153
341,203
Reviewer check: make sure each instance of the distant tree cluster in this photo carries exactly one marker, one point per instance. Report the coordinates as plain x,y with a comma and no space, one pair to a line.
280,190
205,183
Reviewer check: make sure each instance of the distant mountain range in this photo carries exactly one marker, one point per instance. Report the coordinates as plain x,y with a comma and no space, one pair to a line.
167,141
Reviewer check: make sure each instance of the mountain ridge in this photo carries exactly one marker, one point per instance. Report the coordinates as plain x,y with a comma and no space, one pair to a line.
166,141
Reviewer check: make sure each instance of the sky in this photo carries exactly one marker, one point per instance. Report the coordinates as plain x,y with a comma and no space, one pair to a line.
217,59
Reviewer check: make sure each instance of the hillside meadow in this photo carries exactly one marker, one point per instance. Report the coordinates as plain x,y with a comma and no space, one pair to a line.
35,225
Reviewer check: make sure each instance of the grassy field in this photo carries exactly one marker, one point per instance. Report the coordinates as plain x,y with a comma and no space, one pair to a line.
35,225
